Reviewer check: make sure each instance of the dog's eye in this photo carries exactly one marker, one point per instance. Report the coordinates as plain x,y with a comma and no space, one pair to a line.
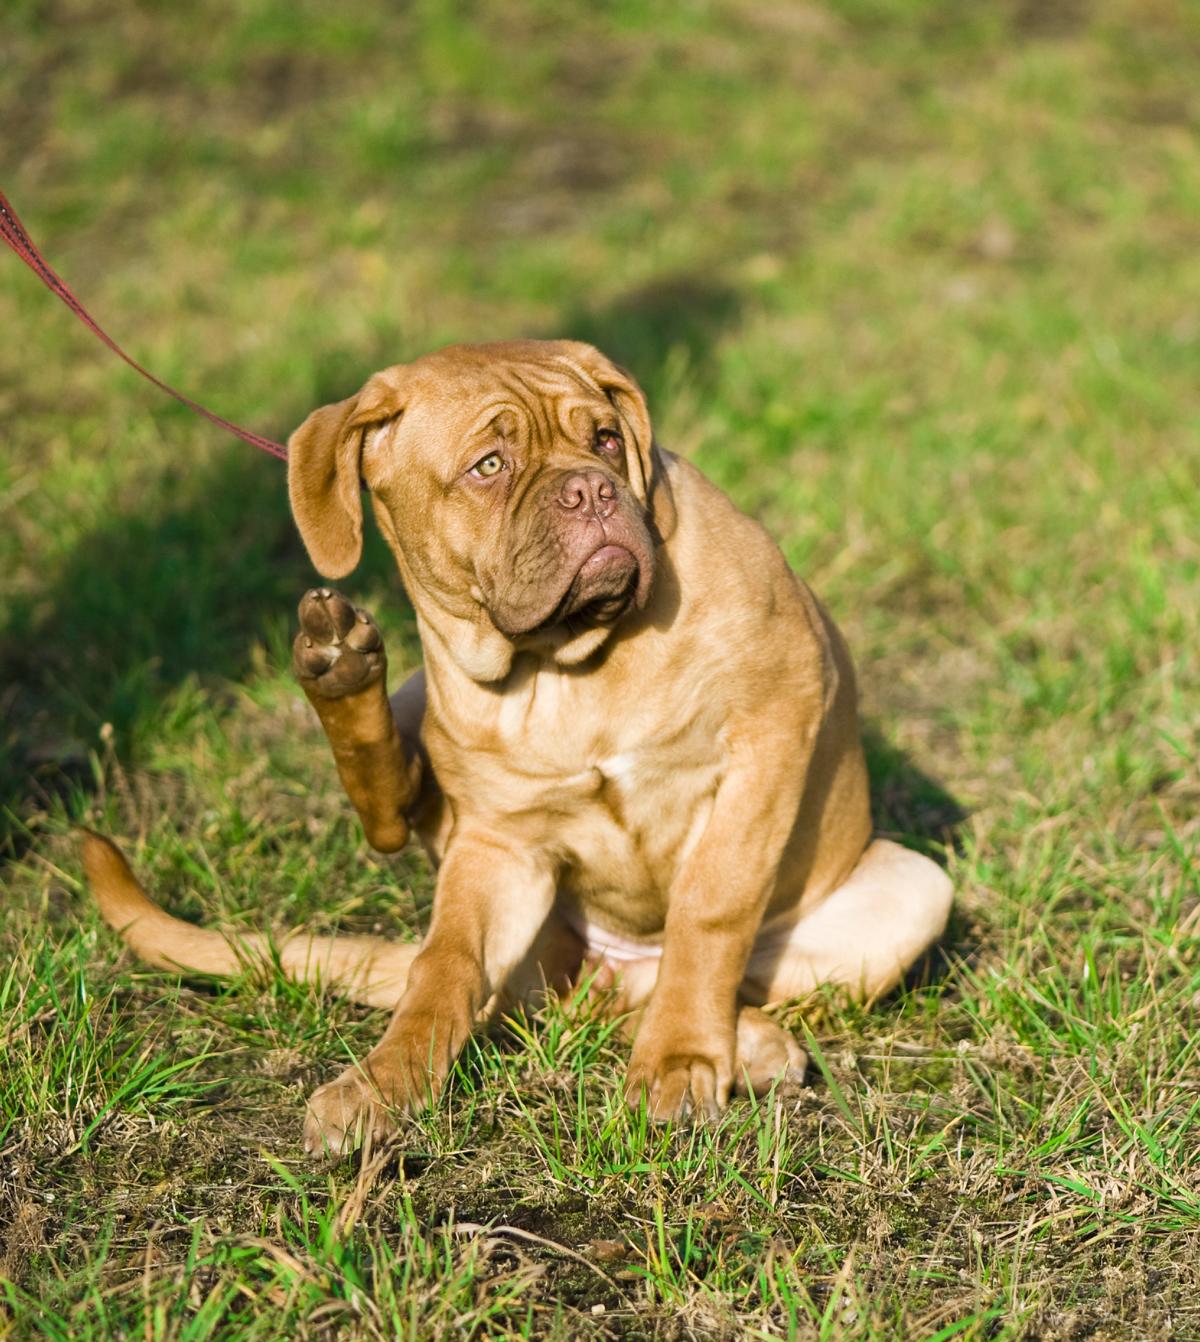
490,465
609,441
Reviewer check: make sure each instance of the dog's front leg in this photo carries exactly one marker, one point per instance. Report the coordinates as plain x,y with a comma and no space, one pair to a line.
490,903
684,1052
339,660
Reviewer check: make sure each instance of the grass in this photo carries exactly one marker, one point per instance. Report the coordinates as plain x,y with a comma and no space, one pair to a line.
915,282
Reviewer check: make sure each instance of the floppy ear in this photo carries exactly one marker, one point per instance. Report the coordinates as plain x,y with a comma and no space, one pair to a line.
644,461
324,465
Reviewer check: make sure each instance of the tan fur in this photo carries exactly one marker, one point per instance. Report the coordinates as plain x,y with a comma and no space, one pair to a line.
365,969
658,742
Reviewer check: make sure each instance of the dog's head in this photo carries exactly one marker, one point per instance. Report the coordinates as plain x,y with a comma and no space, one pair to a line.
517,484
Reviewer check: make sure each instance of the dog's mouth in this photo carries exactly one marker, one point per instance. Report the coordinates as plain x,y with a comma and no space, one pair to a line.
610,580
601,592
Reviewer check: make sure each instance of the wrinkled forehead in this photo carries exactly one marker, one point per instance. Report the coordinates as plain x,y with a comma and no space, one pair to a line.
538,398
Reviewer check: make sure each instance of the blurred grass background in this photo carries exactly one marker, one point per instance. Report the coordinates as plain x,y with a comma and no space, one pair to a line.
919,284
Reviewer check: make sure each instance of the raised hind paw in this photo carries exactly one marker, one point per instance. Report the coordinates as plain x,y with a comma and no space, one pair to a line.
338,650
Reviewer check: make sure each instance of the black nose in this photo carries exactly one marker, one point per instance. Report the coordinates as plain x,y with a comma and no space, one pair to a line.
588,493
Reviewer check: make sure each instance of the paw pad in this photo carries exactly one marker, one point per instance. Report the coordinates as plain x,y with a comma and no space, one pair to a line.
338,650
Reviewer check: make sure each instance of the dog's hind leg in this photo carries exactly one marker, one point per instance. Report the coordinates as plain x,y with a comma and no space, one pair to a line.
862,937
339,660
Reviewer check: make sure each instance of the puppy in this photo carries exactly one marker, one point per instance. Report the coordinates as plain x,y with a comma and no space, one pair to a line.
634,744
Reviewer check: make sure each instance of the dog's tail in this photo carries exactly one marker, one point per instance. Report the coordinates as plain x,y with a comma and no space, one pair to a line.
370,970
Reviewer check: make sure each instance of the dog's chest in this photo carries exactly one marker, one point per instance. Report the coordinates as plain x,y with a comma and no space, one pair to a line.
628,842
618,790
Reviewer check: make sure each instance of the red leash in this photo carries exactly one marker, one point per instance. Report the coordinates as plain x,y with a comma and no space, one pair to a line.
14,234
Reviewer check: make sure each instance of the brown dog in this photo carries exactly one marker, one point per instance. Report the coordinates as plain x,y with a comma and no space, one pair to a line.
634,743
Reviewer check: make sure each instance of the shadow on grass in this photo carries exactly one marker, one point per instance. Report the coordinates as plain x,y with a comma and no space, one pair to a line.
906,802
916,810
184,584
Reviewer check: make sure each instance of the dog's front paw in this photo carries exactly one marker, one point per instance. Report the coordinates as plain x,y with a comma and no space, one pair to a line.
402,1075
338,650
680,1075
343,1112
367,1100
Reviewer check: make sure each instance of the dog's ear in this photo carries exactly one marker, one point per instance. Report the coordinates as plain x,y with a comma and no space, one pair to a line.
645,463
324,468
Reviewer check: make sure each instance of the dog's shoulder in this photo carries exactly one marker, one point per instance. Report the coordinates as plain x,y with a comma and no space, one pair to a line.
733,574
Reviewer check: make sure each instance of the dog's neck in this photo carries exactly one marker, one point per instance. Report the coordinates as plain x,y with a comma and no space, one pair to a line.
475,648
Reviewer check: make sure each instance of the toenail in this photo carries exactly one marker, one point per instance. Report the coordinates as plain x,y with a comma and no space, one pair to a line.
325,593
363,617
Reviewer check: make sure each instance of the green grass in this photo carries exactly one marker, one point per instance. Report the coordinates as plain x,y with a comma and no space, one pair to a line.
917,283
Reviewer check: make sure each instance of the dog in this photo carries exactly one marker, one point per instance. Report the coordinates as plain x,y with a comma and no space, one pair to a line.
633,751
